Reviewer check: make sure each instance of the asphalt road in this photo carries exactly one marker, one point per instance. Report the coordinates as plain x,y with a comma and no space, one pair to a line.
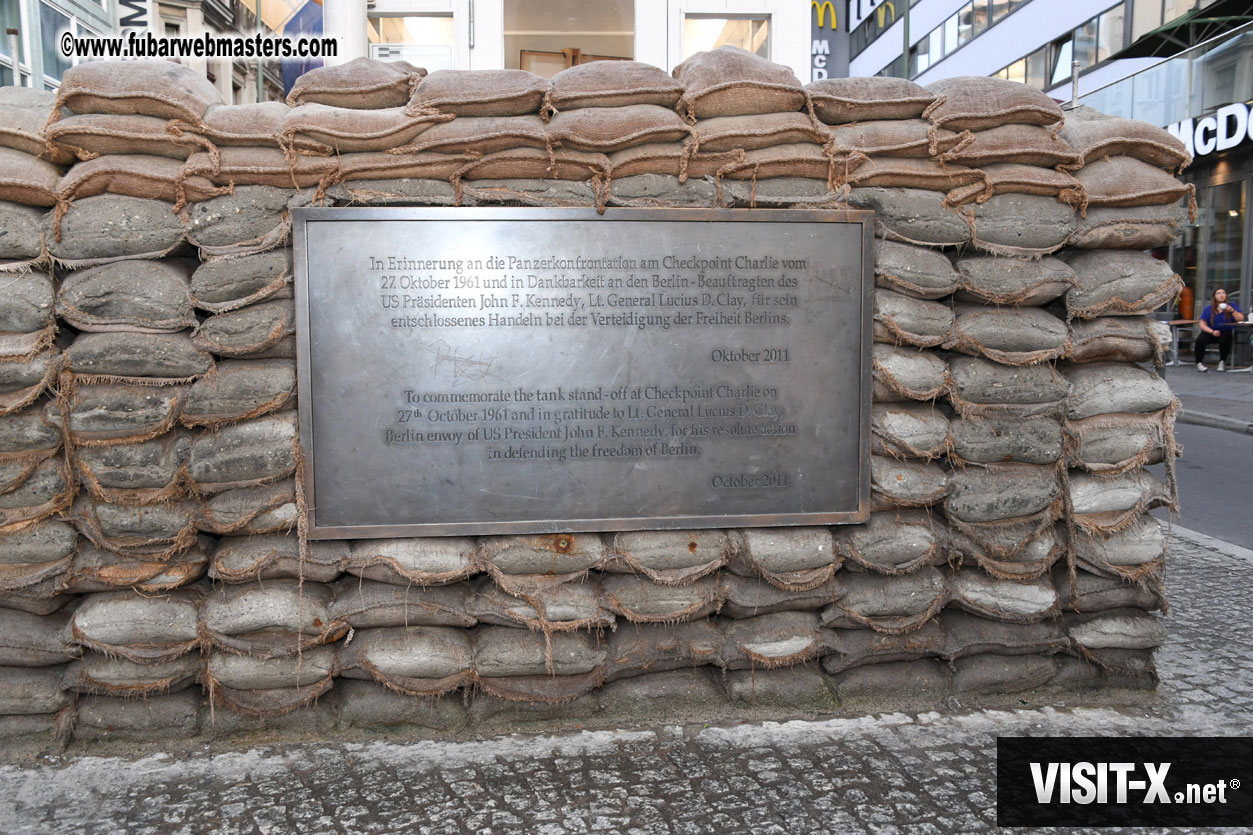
1215,483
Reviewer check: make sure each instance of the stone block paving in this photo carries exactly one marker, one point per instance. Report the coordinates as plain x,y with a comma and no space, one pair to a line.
917,771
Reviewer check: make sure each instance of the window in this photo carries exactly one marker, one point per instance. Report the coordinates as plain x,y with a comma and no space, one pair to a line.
869,30
1146,15
10,18
52,24
979,17
1085,44
919,58
1062,50
965,24
547,36
704,32
1111,34
424,40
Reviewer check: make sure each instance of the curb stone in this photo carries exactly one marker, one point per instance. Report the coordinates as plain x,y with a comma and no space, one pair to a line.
1216,421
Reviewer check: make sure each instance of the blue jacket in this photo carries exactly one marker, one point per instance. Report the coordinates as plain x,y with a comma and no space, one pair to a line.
1222,321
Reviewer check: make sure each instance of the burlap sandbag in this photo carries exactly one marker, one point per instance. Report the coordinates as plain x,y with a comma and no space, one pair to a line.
109,414
111,227
97,673
912,215
999,492
479,135
914,271
995,440
258,451
414,561
606,129
611,84
94,135
28,640
1129,182
908,430
480,93
257,125
139,358
1015,143
1014,178
1119,283
901,320
261,167
27,434
362,83
904,373
145,472
268,620
39,492
1009,335
247,331
1131,339
801,161
267,688
136,175
26,302
792,559
981,103
238,390
251,511
729,133
905,484
152,87
146,296
519,665
1011,601
23,381
1112,503
366,604
902,172
346,130
158,531
747,597
1086,592
671,159
242,559
98,570
23,113
1115,444
1104,388
1094,135
26,179
414,660
222,284
640,600
138,627
1142,227
841,100
983,387
562,608
1134,552
661,647
729,81
896,138
1021,225
1020,549
379,165
21,236
1012,281
536,164
890,604
894,542
668,557
523,563
776,640
248,220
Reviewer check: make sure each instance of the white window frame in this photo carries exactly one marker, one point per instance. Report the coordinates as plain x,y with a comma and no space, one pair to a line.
21,69
788,38
478,26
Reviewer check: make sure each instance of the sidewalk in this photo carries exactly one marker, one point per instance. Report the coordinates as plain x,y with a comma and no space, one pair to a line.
917,769
1223,401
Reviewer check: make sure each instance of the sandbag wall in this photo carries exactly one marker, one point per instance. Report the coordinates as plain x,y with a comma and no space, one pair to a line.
152,577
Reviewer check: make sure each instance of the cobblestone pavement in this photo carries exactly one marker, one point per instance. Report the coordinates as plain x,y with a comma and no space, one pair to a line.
916,772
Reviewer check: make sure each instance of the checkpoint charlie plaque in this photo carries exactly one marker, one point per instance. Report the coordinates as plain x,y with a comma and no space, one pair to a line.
484,371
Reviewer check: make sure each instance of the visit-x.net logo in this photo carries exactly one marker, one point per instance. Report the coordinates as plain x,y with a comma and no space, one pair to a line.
1123,781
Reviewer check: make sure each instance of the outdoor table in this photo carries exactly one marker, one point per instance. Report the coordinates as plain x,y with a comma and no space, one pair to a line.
1175,325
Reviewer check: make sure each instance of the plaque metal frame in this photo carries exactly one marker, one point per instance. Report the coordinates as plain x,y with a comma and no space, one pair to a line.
308,218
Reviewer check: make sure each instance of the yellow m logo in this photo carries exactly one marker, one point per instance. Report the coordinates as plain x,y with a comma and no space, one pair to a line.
883,11
822,9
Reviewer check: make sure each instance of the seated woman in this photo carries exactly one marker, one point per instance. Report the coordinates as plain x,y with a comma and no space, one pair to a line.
1218,324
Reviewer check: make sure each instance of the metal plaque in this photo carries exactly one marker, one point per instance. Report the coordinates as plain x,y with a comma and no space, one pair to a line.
483,371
